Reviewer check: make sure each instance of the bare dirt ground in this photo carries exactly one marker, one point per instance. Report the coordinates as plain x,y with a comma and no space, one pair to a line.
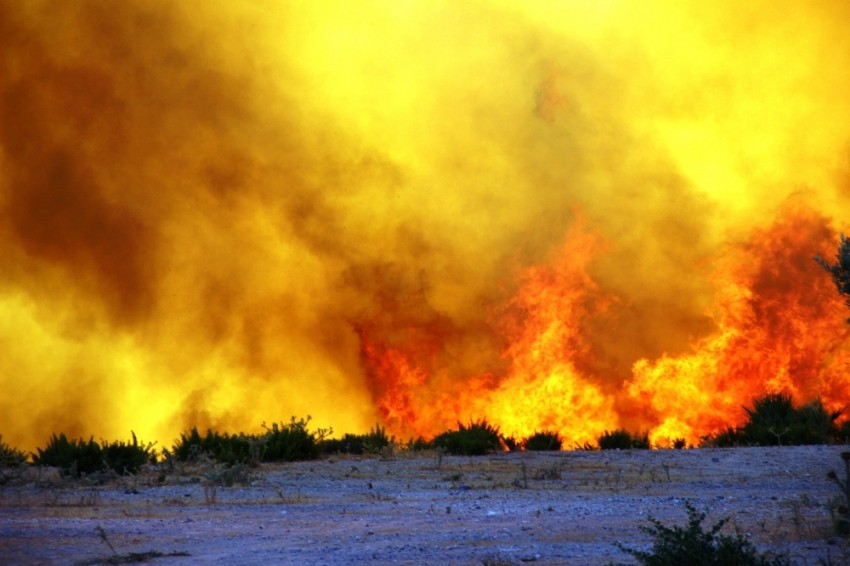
512,508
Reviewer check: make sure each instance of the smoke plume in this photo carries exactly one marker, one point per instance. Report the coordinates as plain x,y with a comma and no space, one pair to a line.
216,215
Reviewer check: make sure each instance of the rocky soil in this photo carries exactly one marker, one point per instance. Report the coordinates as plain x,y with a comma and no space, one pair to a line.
512,508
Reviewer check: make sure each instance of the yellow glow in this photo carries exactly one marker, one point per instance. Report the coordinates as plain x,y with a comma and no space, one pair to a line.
207,208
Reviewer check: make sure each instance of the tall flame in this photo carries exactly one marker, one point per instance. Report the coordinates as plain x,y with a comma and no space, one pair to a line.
779,329
565,215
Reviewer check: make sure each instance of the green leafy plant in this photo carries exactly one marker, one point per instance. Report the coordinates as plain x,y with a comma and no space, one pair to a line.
10,457
419,444
621,439
127,457
72,457
281,442
813,424
372,443
697,547
774,420
348,444
377,440
769,418
543,440
223,447
77,457
476,439
728,437
292,441
511,443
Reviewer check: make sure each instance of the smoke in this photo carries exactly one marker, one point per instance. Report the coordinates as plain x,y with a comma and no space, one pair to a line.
210,213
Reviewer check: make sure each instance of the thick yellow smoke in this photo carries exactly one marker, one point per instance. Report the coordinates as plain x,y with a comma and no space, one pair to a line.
202,203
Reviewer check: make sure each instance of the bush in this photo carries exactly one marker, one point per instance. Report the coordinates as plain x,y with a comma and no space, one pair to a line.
225,448
474,440
728,437
773,420
813,424
291,441
127,458
10,457
377,440
348,444
419,444
373,442
73,457
622,440
769,417
693,546
545,440
511,443
77,457
280,443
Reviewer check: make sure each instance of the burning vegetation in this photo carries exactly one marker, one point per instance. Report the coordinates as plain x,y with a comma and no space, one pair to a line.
573,219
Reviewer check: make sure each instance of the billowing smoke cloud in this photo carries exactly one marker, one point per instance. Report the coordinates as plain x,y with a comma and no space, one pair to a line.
219,215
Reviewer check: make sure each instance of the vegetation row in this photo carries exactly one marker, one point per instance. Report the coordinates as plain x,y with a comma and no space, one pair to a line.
773,419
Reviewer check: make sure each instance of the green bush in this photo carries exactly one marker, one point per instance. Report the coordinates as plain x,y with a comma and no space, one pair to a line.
291,441
544,440
773,420
621,439
419,444
372,443
813,424
77,457
284,442
348,444
728,437
225,448
73,457
127,457
769,417
693,546
511,443
10,457
474,440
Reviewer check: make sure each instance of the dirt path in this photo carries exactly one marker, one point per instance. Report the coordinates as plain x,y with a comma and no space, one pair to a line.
542,508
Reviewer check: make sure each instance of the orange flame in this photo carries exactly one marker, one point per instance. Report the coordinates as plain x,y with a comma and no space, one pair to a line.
543,389
778,327
219,214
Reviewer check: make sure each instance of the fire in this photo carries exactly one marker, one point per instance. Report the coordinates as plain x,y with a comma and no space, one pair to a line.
220,214
778,327
543,389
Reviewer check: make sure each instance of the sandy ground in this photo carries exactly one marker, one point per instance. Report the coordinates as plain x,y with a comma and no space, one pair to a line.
515,508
